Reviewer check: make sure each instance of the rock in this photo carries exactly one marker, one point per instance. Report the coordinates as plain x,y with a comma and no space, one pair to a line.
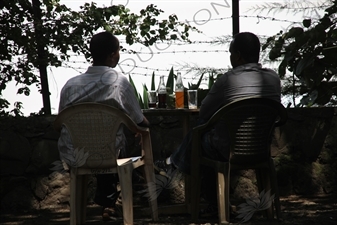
55,190
40,188
245,188
44,153
16,195
15,152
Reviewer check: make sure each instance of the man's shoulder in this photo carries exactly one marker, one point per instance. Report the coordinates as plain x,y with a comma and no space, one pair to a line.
72,80
105,76
251,68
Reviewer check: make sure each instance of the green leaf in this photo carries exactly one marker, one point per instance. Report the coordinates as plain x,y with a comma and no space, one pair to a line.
304,63
153,85
200,79
294,31
173,36
211,81
169,83
268,42
145,97
133,85
140,101
325,92
138,96
307,22
274,53
282,68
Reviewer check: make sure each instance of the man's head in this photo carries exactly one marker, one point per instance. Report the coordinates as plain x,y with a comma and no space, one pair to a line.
244,48
104,49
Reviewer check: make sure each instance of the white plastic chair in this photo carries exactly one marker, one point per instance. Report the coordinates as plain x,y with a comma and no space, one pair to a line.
93,128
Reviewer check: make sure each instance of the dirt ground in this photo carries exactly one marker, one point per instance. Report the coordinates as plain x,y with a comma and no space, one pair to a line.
296,210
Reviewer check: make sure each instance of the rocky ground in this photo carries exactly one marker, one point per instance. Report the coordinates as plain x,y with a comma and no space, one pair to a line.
319,209
296,210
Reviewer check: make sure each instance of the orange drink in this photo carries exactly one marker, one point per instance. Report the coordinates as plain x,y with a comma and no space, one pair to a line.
179,99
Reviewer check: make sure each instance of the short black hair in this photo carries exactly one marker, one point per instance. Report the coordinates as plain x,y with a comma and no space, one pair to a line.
248,44
102,45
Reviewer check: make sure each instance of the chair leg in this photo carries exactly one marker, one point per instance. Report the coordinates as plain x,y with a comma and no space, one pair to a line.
195,192
151,185
187,180
222,202
275,190
149,175
73,197
264,181
223,184
259,180
125,179
82,198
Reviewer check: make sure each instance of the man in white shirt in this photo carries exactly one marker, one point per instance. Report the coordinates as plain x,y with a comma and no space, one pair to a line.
102,84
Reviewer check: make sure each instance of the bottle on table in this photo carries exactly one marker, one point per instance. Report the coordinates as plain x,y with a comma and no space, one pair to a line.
179,91
161,93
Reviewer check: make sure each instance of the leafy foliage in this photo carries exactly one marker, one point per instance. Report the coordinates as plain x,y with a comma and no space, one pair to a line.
292,6
170,82
143,102
145,97
153,84
198,72
65,31
309,53
196,86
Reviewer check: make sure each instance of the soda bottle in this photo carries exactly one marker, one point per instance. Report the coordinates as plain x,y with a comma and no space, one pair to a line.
179,91
161,93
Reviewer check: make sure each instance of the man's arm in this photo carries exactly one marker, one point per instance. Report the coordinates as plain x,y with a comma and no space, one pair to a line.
213,101
144,123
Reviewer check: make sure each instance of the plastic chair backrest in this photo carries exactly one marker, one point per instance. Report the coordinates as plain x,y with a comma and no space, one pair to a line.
93,127
249,122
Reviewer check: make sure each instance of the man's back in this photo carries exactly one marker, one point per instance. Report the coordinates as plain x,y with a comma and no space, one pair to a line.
243,81
100,84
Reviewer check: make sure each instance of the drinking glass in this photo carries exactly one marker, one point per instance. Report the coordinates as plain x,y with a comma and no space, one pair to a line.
152,97
192,96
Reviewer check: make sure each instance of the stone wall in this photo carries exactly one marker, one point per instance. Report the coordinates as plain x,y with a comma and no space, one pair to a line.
305,151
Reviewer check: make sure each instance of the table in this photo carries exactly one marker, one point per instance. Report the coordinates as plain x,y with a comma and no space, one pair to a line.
185,114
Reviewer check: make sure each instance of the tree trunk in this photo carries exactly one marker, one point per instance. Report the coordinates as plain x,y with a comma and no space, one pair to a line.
42,57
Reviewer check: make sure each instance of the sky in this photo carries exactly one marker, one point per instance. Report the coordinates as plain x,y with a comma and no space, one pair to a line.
212,17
